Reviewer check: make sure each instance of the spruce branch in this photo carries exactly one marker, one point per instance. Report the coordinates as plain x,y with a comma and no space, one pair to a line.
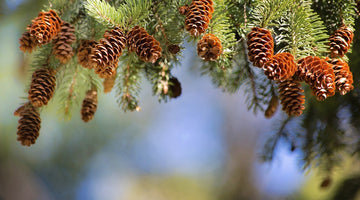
266,11
103,12
334,13
300,31
272,142
73,82
70,95
165,24
159,76
128,14
128,84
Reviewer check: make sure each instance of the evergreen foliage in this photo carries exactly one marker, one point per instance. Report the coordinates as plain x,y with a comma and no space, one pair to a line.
300,27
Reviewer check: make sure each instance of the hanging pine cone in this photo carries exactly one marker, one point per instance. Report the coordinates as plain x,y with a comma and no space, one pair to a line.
42,86
106,54
319,75
144,45
272,107
29,124
89,106
173,49
340,41
343,76
291,98
209,47
45,27
198,16
174,87
281,67
62,42
326,182
109,83
27,42
260,45
84,52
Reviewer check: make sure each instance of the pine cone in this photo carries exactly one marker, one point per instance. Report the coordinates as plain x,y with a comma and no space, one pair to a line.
106,54
89,106
281,67
144,45
84,52
198,16
343,76
62,42
174,87
173,49
109,83
29,124
319,75
340,41
326,182
209,47
291,97
272,107
260,45
42,86
27,42
45,27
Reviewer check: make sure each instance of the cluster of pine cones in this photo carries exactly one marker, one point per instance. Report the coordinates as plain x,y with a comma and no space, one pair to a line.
102,56
325,76
198,16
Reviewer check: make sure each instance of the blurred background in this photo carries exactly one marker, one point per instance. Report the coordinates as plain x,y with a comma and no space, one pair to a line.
204,145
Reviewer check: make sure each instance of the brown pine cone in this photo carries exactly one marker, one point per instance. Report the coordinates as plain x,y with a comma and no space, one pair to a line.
281,67
291,98
340,41
27,42
319,75
272,107
84,51
45,27
209,47
173,49
260,45
174,87
144,45
198,16
29,124
343,76
109,83
63,41
326,182
89,106
42,86
106,54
